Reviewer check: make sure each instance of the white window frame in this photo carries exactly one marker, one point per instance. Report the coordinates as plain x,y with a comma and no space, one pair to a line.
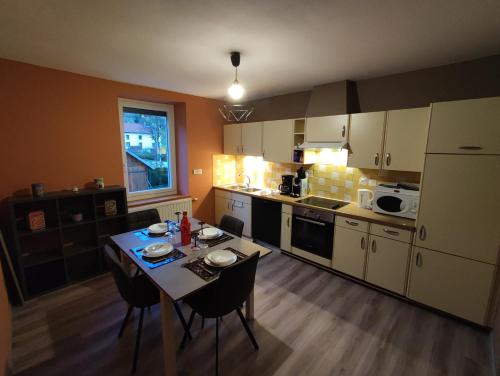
169,109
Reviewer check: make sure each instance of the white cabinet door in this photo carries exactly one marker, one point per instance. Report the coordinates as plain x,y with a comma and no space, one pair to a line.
349,251
387,263
452,284
405,139
465,127
286,232
222,207
366,135
251,139
243,212
327,128
278,140
459,206
232,138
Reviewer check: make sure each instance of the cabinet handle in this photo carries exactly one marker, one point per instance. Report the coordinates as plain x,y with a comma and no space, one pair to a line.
351,223
391,232
418,260
374,246
242,148
228,205
470,147
422,233
343,131
232,206
377,157
388,159
263,153
288,222
362,242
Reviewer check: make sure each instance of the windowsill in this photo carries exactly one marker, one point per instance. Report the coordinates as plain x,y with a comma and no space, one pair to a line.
132,203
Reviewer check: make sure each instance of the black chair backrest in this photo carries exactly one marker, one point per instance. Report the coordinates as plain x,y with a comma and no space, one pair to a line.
232,225
122,280
142,219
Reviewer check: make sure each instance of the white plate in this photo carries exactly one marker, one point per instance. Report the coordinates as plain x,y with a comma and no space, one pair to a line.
157,249
158,228
221,257
210,233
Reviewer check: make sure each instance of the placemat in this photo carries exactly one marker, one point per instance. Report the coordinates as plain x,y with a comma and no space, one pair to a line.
157,262
145,235
212,242
207,272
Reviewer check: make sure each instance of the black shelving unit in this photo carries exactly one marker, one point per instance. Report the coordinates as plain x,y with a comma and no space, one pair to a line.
65,251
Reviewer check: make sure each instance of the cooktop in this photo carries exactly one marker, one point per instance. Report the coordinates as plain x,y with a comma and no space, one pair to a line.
323,202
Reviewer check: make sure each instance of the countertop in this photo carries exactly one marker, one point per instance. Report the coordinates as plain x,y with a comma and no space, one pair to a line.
351,210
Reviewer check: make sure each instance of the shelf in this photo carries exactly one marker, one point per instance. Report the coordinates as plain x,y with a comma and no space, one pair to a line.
106,218
70,224
41,258
37,232
77,249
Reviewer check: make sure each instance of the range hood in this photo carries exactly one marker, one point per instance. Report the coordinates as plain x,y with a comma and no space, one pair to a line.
322,145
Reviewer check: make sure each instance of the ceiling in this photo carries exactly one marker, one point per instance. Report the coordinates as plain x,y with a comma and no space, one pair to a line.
286,45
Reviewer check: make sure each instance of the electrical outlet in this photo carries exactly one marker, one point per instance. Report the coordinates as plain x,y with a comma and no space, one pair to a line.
197,171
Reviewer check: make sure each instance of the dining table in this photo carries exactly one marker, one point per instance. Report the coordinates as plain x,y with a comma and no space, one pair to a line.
174,280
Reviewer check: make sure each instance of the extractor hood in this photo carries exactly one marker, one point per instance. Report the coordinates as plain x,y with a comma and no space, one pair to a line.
322,145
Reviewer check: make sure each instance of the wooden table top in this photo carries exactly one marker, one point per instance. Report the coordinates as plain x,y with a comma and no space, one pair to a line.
174,279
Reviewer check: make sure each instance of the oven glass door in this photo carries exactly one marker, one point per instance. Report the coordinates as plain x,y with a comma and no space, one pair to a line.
312,236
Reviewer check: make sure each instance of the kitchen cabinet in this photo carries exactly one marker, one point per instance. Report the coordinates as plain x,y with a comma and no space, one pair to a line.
277,140
349,251
236,205
327,128
251,139
405,139
459,207
465,127
387,263
452,284
232,139
243,138
365,138
242,209
286,228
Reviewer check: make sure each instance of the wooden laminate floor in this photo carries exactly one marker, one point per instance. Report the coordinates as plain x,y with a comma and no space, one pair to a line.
308,322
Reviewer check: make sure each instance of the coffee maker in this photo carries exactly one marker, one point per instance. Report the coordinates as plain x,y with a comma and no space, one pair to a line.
286,185
300,187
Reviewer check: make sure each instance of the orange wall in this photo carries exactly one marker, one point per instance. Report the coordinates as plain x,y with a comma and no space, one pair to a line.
62,128
5,329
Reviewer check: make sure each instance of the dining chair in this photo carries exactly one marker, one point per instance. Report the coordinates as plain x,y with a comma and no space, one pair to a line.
141,219
138,292
232,225
225,295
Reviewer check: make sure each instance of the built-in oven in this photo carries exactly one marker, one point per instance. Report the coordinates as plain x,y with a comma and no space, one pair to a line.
312,234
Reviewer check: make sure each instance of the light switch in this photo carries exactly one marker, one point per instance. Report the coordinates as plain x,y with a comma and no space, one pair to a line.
197,171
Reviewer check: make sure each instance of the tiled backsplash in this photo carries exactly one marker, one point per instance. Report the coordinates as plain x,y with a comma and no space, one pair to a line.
328,177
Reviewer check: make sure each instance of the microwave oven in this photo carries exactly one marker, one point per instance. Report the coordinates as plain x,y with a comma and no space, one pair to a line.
394,200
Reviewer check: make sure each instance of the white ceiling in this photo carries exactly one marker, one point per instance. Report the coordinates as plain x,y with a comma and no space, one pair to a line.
286,45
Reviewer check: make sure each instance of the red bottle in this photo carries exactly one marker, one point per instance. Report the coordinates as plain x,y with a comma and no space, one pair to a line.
185,230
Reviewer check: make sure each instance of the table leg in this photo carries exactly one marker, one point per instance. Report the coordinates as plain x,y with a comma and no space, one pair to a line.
249,311
167,328
125,263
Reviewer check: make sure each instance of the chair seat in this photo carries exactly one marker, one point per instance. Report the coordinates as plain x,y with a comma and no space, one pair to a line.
149,294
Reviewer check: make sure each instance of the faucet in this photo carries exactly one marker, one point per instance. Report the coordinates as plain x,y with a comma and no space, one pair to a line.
249,180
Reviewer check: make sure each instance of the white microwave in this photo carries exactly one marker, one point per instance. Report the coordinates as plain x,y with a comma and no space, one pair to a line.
396,201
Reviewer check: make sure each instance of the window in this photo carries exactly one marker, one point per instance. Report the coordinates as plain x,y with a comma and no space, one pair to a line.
148,139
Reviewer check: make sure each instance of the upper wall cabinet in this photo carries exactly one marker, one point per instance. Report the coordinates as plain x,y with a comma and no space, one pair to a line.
465,127
405,139
365,138
327,128
393,140
232,138
245,139
277,140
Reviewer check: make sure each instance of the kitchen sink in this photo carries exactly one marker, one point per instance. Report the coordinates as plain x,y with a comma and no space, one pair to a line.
237,187
250,189
243,188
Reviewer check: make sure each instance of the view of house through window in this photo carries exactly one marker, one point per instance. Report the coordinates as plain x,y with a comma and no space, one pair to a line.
147,151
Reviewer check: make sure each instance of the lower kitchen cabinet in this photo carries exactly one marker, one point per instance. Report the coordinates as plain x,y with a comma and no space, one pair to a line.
349,251
223,204
286,228
452,284
387,263
235,205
